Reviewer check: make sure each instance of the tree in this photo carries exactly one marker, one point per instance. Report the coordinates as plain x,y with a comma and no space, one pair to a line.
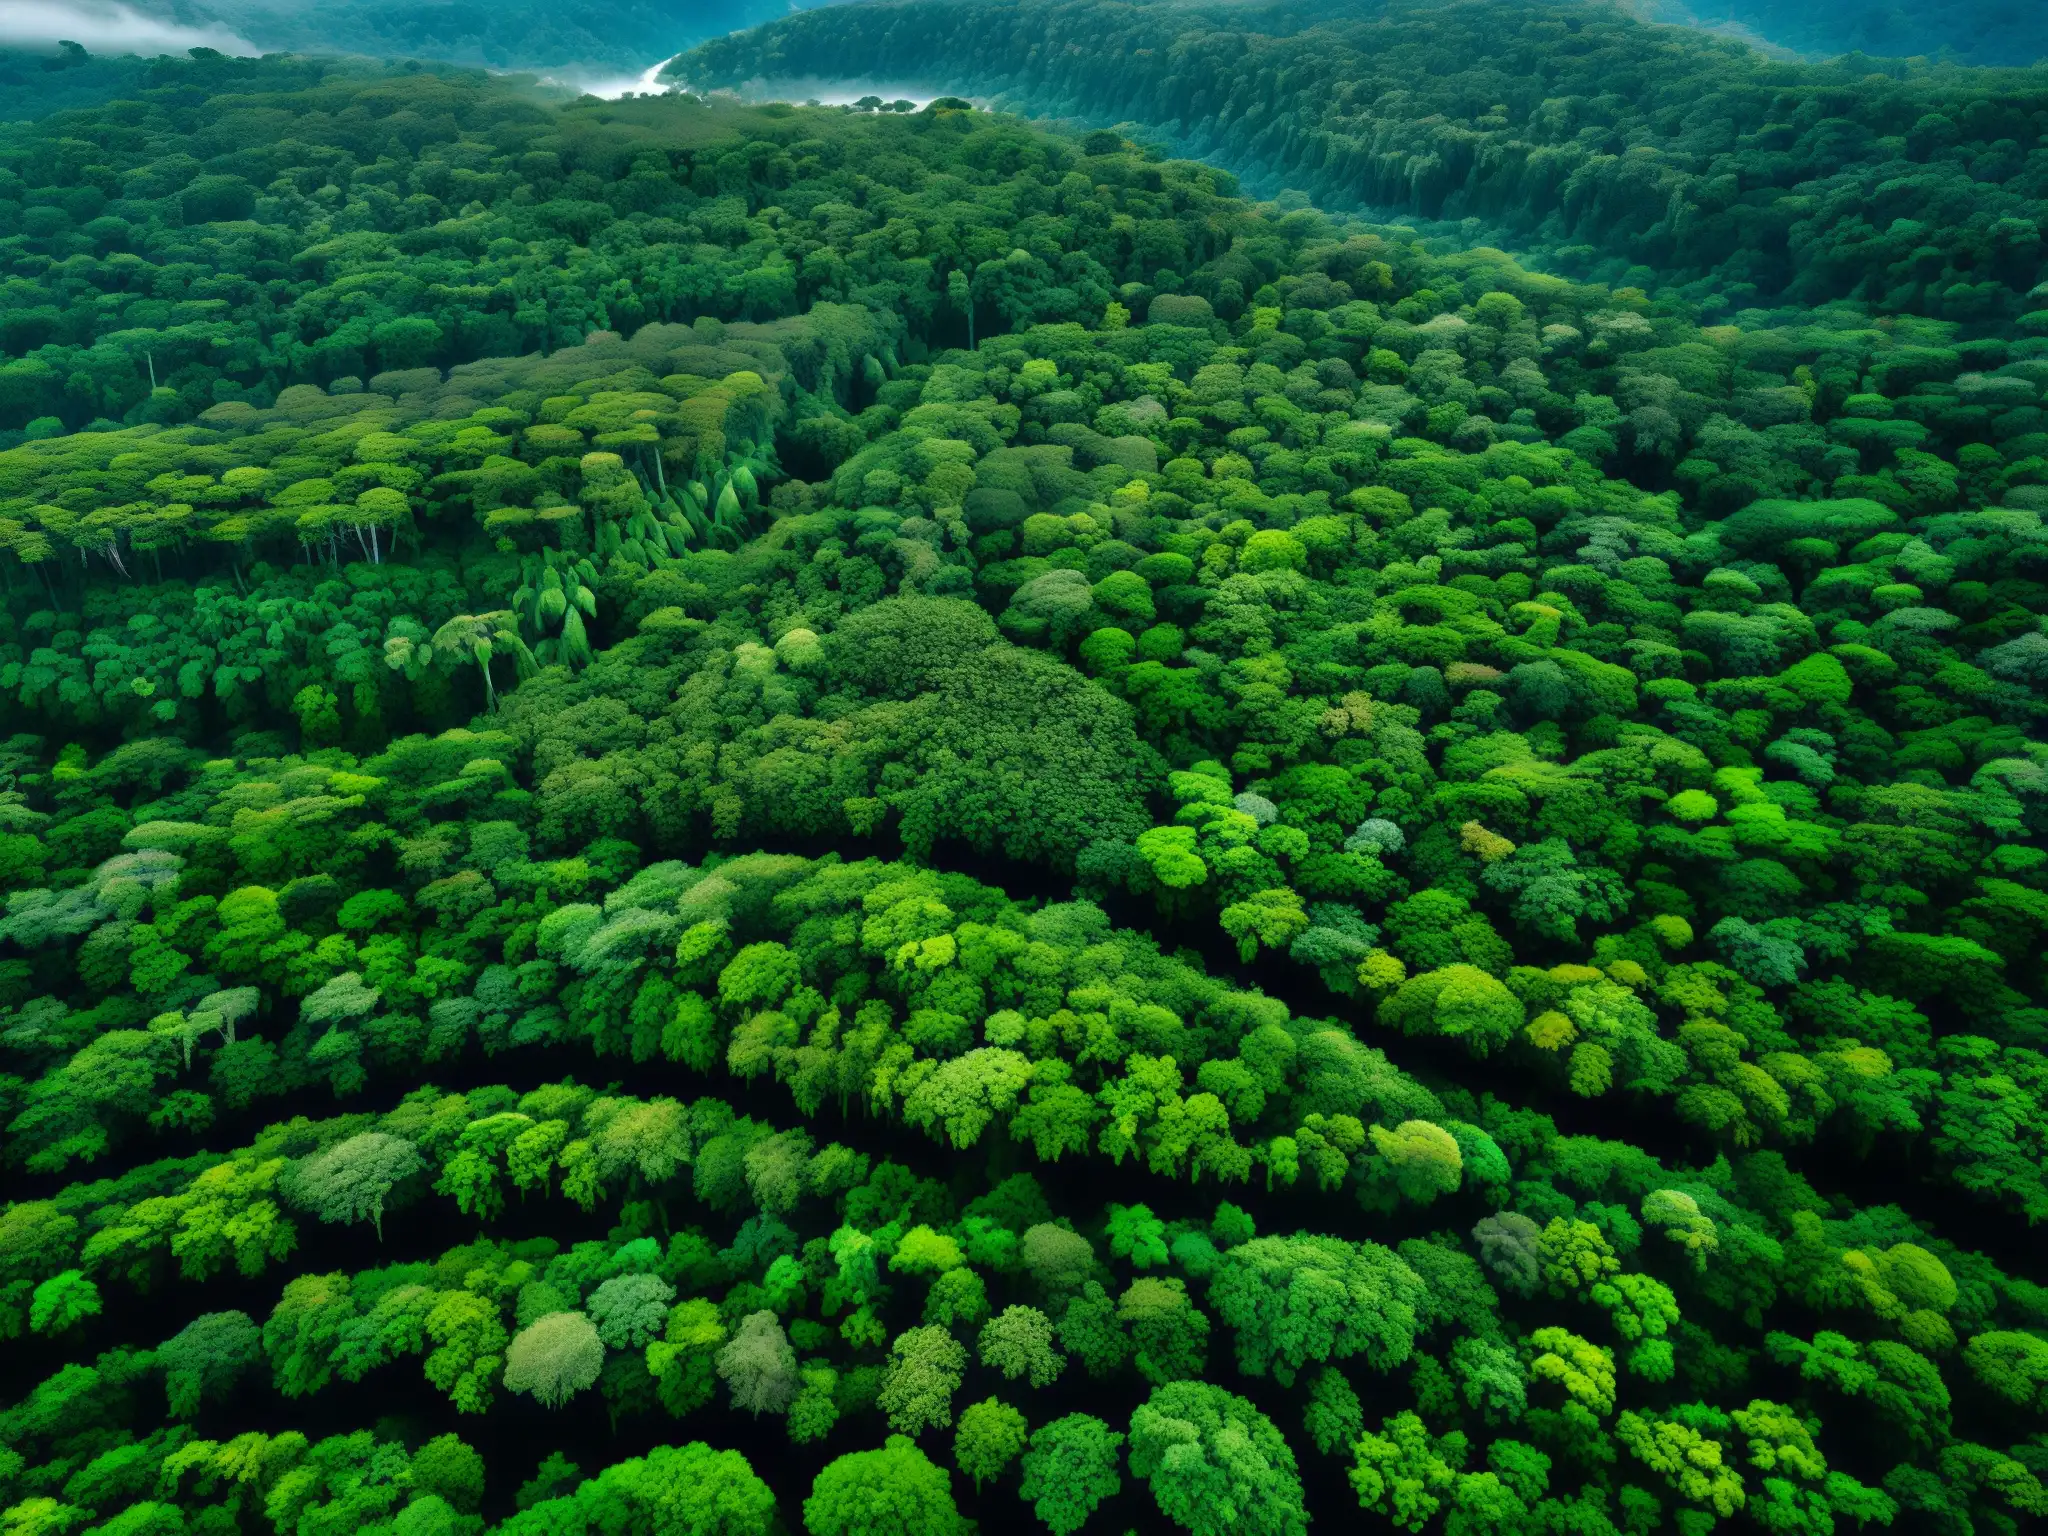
1691,1462
62,1302
1406,1473
1272,919
1137,1235
1297,1300
1550,891
965,1095
2013,1366
957,1296
1460,1001
204,1360
923,1251
924,1371
1490,1378
474,639
1058,1259
470,1344
1508,1247
759,1366
1574,1256
895,1491
1170,1334
693,1490
631,1310
1215,1463
1584,1370
815,1408
1091,1332
1070,1468
1334,1417
1417,1161
1018,1341
1644,1311
300,1335
351,1179
683,1360
450,1469
991,1436
1679,1217
554,1358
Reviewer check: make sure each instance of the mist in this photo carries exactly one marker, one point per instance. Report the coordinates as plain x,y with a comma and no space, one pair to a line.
832,92
106,28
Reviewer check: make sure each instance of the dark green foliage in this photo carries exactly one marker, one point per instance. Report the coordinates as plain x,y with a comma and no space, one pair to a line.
1383,110
1630,716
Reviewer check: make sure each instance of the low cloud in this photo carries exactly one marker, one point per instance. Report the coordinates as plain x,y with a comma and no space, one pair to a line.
106,28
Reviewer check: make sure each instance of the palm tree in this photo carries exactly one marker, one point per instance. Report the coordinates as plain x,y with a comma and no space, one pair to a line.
480,636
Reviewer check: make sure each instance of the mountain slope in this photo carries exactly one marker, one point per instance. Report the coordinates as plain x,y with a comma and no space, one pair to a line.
1984,32
1640,152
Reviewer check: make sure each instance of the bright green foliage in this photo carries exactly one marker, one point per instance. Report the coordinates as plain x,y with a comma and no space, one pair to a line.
554,1358
2014,1366
696,1489
1169,1334
922,1251
1405,1473
1574,1256
924,1371
1136,1235
1691,1462
959,1296
1293,1301
448,534
1779,1442
895,1491
1491,1379
991,1436
1091,1332
1416,1161
62,1302
1585,1371
1644,1312
1215,1463
205,1359
1334,1418
351,1180
1070,1468
1018,1341
815,1409
1460,1001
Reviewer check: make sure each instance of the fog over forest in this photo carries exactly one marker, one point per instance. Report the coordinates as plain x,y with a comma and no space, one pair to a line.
103,26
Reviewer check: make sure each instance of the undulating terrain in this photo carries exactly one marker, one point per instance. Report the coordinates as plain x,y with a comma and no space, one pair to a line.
727,818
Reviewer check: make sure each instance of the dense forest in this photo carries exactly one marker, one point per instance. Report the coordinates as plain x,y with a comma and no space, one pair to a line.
724,819
37,83
1637,154
1997,32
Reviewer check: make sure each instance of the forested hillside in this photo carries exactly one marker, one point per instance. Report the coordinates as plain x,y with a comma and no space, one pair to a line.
1641,154
34,83
1995,32
721,820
